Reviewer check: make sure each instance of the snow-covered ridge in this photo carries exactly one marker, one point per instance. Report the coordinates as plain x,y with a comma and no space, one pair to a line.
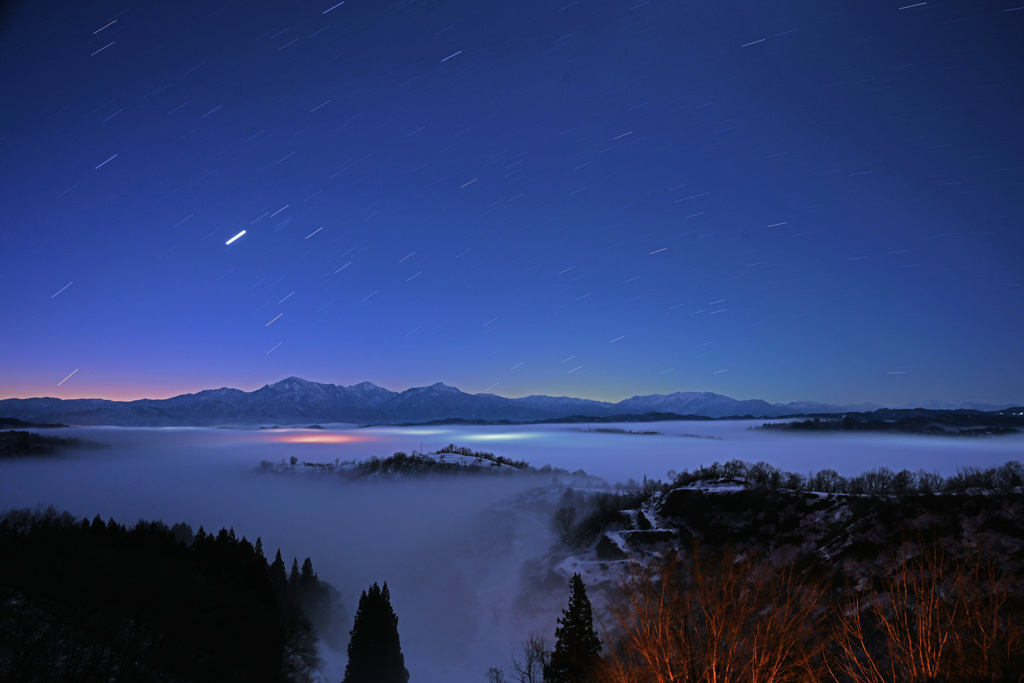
450,460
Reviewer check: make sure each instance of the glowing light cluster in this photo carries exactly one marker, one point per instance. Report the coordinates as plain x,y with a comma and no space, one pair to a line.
417,431
323,438
501,436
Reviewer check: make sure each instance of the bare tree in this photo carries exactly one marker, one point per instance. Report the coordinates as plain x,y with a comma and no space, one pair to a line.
649,624
715,617
529,668
930,616
563,524
993,644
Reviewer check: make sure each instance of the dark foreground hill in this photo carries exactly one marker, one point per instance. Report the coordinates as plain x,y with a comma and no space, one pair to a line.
98,601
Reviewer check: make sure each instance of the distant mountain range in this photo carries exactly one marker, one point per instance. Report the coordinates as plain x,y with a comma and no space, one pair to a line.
297,401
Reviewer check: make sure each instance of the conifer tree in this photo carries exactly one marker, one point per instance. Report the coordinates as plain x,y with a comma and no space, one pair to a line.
374,651
308,576
577,646
277,575
293,577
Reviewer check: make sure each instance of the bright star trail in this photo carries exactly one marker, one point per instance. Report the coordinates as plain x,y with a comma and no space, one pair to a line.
67,378
439,192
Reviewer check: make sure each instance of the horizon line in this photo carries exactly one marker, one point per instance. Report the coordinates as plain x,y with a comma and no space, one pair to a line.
875,405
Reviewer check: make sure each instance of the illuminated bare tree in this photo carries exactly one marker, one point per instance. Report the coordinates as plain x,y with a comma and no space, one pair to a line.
903,629
930,616
993,646
715,617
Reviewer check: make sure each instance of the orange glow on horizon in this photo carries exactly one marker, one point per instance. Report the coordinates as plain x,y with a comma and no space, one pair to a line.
323,438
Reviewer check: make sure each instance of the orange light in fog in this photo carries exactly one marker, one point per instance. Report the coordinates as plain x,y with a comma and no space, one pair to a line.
322,438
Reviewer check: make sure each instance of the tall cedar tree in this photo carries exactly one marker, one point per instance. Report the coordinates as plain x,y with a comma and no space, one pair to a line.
374,652
577,646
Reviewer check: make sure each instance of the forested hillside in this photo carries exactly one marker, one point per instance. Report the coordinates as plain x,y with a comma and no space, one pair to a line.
100,601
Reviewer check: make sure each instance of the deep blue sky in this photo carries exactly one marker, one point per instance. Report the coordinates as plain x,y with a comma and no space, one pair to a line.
783,200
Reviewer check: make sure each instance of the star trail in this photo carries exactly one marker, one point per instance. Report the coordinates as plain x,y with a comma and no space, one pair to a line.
789,201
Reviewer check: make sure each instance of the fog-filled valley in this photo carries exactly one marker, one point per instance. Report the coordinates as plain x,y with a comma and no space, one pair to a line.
471,561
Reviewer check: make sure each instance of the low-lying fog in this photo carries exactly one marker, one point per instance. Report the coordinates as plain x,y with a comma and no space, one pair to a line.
456,559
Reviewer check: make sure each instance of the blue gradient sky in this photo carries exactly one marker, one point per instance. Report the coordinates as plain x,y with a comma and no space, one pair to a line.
783,200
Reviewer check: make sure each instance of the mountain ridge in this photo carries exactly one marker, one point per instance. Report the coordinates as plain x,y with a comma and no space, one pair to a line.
295,400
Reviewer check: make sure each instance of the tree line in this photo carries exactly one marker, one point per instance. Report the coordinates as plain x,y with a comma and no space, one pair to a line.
1007,477
97,600
19,444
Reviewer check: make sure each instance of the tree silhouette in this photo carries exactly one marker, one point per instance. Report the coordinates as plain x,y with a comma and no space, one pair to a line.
99,601
293,577
277,574
577,646
535,657
374,651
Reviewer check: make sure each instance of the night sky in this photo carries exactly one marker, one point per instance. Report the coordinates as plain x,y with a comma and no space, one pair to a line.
787,200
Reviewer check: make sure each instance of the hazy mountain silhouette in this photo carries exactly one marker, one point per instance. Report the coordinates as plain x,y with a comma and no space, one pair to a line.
298,401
